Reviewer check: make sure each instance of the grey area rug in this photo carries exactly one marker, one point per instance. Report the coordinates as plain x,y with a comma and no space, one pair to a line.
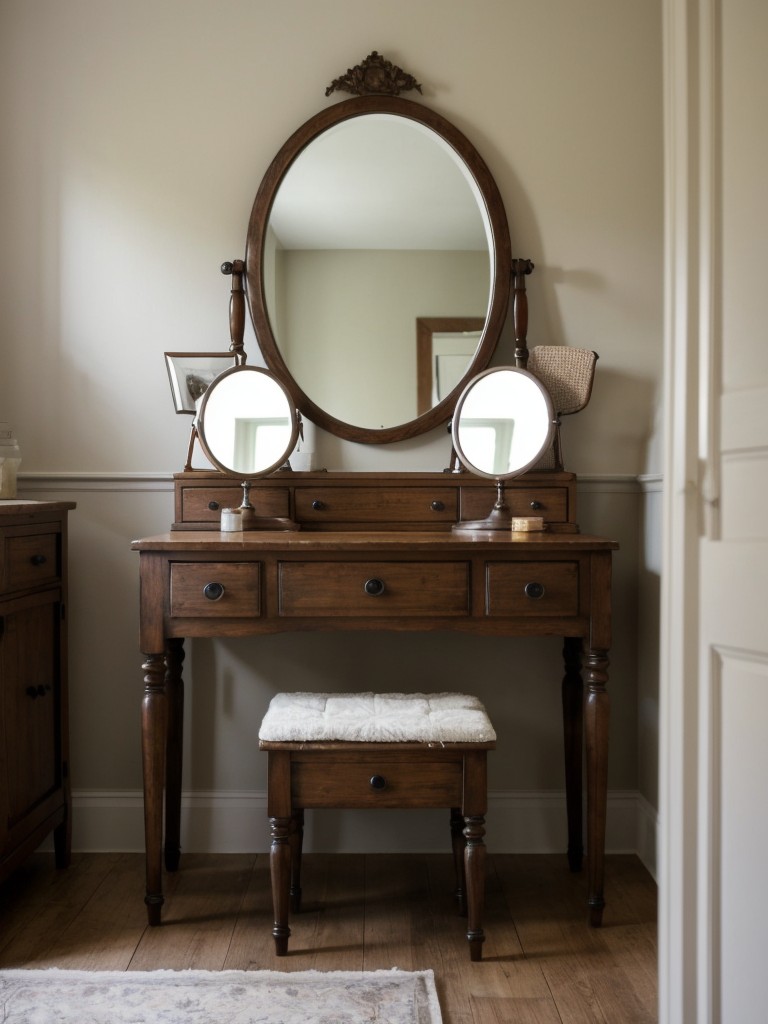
218,997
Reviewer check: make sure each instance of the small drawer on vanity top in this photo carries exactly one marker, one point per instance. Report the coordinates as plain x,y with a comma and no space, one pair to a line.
532,588
29,558
549,502
204,504
374,589
376,504
223,590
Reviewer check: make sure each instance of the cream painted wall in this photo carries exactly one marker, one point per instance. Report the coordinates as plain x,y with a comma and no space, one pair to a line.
134,139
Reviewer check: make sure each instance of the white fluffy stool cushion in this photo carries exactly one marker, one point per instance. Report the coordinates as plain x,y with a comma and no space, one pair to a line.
376,718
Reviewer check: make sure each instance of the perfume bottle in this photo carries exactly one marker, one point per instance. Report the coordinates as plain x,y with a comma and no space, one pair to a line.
10,457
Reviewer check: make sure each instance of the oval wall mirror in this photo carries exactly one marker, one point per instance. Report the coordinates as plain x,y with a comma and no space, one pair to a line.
503,424
377,212
248,427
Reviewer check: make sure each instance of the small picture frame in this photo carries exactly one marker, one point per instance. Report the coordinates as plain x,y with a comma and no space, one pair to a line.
192,373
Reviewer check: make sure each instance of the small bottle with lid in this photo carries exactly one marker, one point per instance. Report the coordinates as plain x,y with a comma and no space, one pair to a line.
10,459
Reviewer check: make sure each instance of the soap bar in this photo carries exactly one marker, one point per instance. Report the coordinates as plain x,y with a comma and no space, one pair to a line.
527,524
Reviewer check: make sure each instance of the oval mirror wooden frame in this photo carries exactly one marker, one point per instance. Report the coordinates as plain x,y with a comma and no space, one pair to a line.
254,262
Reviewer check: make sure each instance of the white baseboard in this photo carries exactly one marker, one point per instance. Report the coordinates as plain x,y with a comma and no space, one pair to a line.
236,822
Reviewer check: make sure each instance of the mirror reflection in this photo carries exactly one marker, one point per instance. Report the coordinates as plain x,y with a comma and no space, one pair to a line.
247,423
503,425
377,222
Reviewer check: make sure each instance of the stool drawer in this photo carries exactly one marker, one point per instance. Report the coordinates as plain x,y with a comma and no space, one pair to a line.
374,589
373,781
215,589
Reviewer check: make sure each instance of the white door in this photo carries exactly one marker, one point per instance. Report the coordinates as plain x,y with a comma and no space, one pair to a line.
714,884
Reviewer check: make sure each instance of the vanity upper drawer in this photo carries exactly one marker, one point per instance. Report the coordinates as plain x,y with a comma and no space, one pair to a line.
30,558
204,504
549,502
376,504
374,589
218,590
532,588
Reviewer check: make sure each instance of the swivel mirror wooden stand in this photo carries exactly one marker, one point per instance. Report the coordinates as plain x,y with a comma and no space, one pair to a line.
395,528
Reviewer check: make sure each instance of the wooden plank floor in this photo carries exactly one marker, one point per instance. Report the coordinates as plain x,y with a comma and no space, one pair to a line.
541,962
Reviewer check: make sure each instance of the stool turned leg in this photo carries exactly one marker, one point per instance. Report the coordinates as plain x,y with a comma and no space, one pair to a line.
280,870
474,867
297,842
458,844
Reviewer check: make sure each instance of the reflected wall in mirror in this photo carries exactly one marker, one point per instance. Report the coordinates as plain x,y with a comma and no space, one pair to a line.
248,427
375,212
503,425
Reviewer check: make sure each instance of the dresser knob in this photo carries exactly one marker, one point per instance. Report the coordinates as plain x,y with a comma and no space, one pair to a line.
318,506
374,587
534,591
437,506
213,591
38,559
536,505
213,506
378,782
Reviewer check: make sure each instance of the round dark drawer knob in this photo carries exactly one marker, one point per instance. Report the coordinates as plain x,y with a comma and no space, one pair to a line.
378,782
318,506
213,591
213,506
31,691
536,505
437,506
374,587
38,559
534,590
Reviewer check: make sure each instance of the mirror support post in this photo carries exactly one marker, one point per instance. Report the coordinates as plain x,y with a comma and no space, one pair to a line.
520,270
236,309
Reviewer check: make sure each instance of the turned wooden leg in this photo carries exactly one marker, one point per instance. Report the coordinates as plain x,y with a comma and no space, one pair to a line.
474,868
297,842
458,845
154,721
174,687
596,724
573,718
280,870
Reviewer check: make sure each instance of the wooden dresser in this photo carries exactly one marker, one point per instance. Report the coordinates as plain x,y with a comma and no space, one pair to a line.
375,552
34,752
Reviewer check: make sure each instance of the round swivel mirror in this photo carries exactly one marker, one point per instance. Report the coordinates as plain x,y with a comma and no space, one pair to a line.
248,427
503,424
377,214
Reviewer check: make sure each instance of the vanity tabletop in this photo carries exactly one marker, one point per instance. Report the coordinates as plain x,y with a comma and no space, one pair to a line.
211,540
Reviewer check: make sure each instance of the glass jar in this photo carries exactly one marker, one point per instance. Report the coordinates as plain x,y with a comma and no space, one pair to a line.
10,458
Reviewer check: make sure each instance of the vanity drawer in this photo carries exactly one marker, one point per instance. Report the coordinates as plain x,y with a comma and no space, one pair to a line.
549,502
376,504
532,588
398,783
204,504
30,558
374,589
215,590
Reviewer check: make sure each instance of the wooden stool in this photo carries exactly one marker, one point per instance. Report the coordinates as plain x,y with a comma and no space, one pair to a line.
365,750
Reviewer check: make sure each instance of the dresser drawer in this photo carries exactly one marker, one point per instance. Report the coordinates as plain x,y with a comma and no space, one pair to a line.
215,590
376,504
204,504
549,502
374,589
396,783
532,588
30,558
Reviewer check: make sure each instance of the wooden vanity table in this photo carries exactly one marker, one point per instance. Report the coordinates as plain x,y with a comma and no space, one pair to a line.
375,552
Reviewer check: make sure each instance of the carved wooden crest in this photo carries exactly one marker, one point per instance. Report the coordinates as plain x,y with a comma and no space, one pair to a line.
375,76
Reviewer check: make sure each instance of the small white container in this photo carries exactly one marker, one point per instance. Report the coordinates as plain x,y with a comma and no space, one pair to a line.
10,459
231,520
